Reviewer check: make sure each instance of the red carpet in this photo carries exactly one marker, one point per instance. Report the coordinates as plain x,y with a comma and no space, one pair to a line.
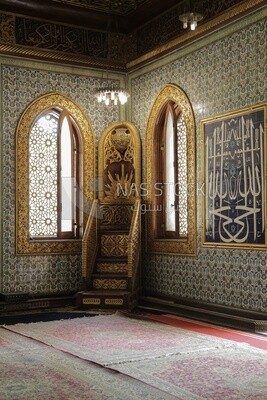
255,340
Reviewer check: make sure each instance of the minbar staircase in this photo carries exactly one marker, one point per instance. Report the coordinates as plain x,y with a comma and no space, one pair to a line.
111,257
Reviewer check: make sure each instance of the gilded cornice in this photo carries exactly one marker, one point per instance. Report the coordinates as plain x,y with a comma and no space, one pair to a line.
50,56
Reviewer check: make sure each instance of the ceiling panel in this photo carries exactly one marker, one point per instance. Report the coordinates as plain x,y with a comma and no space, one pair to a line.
120,7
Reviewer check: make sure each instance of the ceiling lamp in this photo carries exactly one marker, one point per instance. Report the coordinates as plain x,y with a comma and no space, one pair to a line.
190,18
112,96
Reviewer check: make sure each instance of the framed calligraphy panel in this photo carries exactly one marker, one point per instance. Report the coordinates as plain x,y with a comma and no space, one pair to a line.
234,179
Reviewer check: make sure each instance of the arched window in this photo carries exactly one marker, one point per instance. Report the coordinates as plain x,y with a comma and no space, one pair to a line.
170,189
55,163
170,148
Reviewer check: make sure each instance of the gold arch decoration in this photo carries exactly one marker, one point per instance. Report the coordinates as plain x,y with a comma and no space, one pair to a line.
182,246
25,245
119,163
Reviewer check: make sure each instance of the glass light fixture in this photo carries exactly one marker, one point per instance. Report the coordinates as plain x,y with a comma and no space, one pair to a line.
190,18
111,95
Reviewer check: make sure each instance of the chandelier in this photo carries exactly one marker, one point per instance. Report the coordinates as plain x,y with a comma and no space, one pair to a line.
110,95
190,18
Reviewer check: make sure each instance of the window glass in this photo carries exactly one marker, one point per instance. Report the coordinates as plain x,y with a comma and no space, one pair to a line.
43,177
52,180
182,176
66,178
171,164
170,181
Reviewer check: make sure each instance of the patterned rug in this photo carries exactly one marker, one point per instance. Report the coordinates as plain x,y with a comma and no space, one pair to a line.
238,373
47,374
143,359
110,339
11,342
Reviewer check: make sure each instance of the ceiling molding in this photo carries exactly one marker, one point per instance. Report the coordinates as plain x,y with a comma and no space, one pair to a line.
56,57
32,38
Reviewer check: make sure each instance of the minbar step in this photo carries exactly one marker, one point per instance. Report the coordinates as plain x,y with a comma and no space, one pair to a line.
111,266
115,228
110,281
107,299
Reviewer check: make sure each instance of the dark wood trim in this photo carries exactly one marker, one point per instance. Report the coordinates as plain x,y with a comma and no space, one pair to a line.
148,11
86,17
60,13
38,303
247,320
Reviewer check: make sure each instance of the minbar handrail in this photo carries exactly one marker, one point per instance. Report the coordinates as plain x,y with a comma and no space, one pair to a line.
90,244
134,244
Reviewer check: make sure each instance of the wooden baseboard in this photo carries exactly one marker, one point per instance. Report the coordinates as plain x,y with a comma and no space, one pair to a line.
224,316
38,303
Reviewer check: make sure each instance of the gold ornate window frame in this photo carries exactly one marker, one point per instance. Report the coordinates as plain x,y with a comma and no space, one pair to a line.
182,246
25,245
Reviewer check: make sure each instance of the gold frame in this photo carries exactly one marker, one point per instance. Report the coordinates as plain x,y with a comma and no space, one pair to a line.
222,218
24,245
137,157
186,246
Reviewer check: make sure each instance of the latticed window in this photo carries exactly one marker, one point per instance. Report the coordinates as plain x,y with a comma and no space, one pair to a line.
182,175
53,176
171,186
171,174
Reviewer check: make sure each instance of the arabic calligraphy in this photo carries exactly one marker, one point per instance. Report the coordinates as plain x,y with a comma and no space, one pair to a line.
61,38
234,170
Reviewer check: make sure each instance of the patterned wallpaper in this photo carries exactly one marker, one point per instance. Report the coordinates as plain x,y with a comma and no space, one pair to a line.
222,76
20,85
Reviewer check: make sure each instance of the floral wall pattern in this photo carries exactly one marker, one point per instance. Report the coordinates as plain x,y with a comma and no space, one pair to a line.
224,75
